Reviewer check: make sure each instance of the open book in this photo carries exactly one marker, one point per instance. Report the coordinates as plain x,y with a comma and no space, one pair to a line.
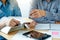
8,29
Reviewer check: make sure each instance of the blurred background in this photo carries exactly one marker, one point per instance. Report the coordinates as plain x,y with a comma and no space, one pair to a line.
25,6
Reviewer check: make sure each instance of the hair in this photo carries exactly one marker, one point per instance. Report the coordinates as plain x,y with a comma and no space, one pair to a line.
7,1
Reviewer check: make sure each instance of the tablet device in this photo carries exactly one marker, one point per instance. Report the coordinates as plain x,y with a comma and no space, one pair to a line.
43,36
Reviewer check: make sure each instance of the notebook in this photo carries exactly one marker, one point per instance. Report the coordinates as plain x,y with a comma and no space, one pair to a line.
42,27
55,26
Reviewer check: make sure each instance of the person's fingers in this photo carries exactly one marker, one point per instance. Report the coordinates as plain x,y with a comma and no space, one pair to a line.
12,24
32,25
34,22
27,23
43,13
17,22
39,11
33,11
37,14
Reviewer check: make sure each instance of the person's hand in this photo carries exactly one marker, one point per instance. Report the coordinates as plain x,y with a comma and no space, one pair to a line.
37,13
14,23
2,25
57,22
43,13
31,25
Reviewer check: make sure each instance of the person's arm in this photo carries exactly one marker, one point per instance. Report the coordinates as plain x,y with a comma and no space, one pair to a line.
11,22
50,17
40,16
40,19
53,15
3,21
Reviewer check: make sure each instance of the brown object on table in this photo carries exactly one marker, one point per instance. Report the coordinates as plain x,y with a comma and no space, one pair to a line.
36,34
57,22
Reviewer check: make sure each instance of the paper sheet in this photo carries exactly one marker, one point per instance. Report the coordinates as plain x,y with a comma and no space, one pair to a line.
55,26
55,33
42,26
6,29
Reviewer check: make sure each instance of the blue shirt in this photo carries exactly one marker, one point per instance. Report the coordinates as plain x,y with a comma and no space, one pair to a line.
52,11
8,10
2,38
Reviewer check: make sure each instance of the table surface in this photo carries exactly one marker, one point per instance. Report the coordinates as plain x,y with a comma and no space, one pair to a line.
11,34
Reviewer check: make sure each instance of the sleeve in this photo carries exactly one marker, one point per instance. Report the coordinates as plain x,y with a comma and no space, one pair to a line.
17,11
49,18
0,4
58,14
43,20
2,14
34,4
54,15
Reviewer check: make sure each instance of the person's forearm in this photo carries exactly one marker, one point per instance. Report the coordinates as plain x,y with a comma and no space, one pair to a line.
42,20
2,25
50,16
3,22
53,16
